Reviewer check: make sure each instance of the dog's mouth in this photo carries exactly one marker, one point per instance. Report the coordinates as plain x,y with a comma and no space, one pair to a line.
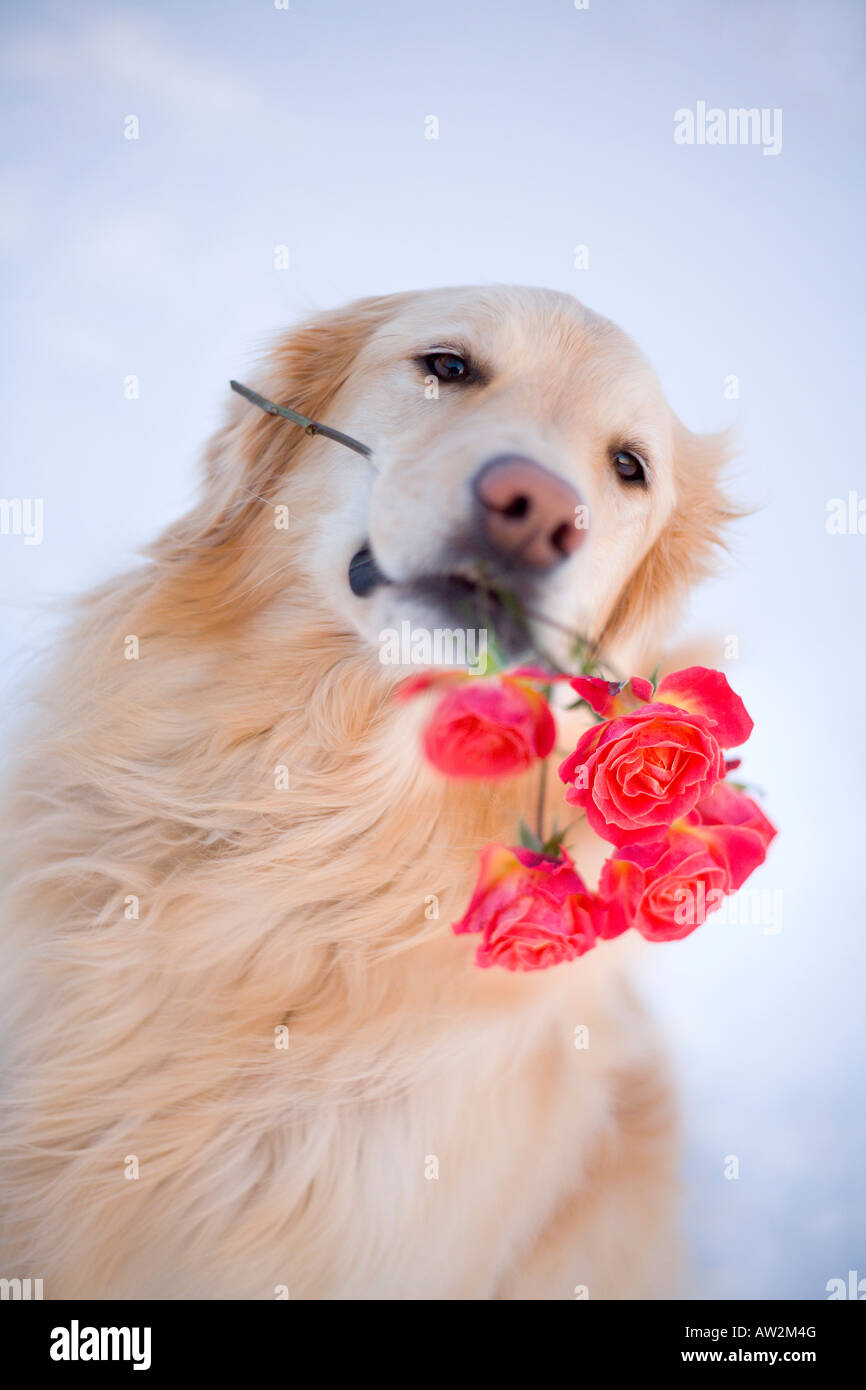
459,585
465,594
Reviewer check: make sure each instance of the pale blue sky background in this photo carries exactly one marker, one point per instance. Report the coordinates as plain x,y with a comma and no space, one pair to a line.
305,127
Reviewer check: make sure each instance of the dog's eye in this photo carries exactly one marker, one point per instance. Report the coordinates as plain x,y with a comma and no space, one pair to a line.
447,366
629,466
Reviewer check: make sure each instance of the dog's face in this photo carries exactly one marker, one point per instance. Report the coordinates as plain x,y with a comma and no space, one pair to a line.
524,460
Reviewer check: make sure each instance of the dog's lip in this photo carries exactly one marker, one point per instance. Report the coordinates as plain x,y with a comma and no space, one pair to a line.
365,574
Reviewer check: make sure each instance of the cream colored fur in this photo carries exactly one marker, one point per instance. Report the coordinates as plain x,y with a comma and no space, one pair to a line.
156,780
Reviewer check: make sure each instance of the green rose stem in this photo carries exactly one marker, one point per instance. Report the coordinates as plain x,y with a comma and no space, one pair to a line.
588,653
542,789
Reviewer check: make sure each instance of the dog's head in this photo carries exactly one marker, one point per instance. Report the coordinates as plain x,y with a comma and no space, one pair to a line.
526,472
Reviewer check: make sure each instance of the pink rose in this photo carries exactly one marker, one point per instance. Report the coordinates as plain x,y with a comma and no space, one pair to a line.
664,900
486,728
531,911
651,760
736,828
665,888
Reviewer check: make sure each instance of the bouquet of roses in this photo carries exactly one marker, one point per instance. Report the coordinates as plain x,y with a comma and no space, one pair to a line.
651,777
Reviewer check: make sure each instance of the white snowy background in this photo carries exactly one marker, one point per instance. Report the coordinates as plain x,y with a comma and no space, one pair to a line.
304,127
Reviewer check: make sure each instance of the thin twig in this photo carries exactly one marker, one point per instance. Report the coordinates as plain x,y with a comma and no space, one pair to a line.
311,427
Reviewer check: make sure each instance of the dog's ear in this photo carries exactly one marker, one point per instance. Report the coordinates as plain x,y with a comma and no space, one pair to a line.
304,369
687,549
206,551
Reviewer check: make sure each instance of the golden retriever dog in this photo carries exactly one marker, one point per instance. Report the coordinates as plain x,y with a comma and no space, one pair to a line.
245,1055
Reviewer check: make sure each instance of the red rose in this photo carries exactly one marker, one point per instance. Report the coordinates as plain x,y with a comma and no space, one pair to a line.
532,911
665,888
649,763
639,772
664,900
486,728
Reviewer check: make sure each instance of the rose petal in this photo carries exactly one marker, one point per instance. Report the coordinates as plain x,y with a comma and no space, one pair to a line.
707,693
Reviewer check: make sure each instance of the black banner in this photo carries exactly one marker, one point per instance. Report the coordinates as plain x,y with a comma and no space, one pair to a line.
155,1338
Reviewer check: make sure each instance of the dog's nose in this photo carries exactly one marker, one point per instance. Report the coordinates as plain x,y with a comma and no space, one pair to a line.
527,513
